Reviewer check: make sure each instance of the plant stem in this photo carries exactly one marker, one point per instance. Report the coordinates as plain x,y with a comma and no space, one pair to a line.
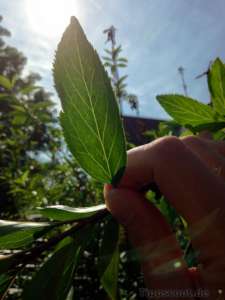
25,256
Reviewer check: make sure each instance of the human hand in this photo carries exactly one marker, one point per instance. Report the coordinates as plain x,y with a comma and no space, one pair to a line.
190,173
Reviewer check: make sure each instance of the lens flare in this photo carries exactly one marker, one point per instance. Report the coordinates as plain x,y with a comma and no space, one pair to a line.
50,17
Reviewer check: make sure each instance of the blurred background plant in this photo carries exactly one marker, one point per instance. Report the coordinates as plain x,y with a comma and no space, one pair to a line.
35,168
113,61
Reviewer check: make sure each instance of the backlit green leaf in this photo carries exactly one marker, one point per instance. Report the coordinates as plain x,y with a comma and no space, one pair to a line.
216,83
18,234
66,213
187,111
90,118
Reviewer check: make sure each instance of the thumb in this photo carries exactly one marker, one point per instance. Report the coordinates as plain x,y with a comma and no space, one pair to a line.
151,235
142,220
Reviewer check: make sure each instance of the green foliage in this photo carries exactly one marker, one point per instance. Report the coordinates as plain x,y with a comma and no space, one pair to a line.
164,129
195,115
89,107
28,132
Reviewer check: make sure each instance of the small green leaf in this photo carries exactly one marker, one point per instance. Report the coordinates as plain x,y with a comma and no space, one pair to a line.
123,59
19,108
54,279
19,119
122,79
5,82
90,119
41,105
66,213
18,234
29,89
187,111
107,58
121,65
108,264
186,132
23,178
216,83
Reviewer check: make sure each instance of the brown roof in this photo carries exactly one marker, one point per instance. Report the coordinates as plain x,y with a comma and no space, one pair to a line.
136,126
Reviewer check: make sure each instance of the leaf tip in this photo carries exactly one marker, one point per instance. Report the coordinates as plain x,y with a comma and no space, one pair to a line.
160,98
74,20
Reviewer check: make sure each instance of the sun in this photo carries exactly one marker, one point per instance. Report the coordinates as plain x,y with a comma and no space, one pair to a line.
50,17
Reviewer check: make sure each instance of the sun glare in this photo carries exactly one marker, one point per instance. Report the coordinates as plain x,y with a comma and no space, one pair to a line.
50,17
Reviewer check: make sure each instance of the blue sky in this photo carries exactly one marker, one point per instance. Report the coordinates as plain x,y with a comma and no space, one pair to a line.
157,37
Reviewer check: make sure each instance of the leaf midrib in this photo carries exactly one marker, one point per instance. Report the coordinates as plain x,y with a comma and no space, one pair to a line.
93,112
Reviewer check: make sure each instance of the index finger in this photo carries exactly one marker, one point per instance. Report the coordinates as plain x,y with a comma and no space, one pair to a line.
180,175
